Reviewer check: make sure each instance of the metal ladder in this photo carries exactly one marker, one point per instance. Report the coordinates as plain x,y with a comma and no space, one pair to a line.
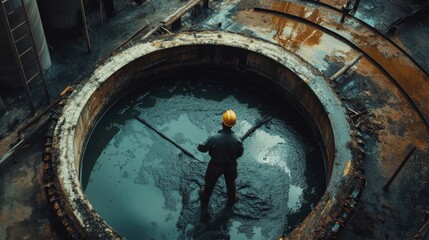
20,35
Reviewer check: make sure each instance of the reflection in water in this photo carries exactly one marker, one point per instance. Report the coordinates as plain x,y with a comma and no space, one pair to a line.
263,149
295,194
145,188
309,42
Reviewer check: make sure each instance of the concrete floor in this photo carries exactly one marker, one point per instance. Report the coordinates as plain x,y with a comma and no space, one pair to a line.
394,124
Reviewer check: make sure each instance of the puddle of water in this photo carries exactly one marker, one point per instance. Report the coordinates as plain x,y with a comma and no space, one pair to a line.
262,147
145,188
295,194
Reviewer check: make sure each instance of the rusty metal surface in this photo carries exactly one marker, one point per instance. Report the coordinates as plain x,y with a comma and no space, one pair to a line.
301,26
391,125
410,77
392,121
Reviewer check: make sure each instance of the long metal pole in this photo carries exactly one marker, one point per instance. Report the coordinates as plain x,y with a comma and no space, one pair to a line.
386,187
130,38
355,6
258,124
172,18
422,231
166,138
85,27
156,28
346,67
27,137
181,12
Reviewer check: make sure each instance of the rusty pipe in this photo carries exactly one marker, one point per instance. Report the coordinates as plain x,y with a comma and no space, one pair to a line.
172,18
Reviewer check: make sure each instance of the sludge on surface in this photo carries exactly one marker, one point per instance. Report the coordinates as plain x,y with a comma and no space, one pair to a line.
145,187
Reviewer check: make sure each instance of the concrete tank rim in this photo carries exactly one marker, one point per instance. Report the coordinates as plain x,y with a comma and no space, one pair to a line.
64,132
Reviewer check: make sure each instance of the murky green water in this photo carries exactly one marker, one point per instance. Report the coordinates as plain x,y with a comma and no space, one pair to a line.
145,188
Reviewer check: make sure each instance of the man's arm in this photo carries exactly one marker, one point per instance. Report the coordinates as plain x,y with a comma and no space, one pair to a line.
206,145
240,150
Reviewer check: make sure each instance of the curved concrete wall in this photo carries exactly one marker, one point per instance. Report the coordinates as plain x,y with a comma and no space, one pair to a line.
287,75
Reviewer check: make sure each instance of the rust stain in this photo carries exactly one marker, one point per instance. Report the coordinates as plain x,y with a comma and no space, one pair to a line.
280,23
156,43
395,116
397,64
398,41
410,78
254,19
288,33
367,69
346,56
335,3
301,33
395,144
298,10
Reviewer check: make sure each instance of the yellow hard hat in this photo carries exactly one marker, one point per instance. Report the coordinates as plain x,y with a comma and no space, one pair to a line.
229,118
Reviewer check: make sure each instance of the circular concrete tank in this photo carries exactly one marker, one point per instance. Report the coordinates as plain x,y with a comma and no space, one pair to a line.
144,187
283,73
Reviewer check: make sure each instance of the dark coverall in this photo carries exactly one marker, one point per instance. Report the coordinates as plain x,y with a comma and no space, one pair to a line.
109,7
224,148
